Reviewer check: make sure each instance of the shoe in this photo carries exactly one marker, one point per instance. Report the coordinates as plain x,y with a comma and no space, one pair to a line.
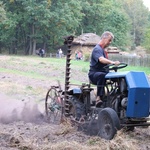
99,103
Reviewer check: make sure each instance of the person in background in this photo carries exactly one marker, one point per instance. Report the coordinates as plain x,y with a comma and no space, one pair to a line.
60,53
76,55
79,55
99,59
43,53
57,53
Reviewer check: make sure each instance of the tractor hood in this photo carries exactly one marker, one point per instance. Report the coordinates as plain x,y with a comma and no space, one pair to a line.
138,92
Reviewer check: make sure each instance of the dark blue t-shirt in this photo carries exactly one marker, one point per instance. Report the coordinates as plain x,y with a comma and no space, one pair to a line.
95,65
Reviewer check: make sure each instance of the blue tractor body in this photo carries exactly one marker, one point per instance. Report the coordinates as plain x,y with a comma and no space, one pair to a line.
138,87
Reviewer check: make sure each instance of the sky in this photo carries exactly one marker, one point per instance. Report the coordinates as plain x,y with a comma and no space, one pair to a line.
147,3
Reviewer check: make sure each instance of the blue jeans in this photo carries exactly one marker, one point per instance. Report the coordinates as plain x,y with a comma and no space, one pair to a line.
98,78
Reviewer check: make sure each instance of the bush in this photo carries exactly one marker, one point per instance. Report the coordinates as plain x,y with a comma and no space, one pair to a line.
87,57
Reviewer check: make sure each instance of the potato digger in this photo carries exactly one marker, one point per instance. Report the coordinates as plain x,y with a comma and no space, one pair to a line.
126,101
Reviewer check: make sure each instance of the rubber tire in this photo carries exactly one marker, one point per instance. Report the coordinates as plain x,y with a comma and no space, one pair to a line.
108,123
77,108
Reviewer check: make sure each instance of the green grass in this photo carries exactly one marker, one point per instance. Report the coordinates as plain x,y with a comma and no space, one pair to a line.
56,63
84,66
27,74
138,68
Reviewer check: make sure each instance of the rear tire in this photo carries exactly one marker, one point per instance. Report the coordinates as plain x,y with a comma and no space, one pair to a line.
108,123
77,108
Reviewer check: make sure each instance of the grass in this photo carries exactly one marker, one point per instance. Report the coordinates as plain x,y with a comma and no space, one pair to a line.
138,68
27,74
56,64
85,67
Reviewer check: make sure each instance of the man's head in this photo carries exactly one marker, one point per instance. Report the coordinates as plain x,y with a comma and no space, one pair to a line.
106,39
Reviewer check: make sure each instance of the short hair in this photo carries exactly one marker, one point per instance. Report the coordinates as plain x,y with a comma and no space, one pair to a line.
106,34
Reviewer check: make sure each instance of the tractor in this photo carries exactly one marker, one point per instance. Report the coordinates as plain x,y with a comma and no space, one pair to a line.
126,101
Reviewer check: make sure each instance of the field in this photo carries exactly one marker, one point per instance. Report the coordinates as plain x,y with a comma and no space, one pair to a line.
24,84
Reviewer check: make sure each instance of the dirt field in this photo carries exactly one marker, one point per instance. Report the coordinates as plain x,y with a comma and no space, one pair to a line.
24,82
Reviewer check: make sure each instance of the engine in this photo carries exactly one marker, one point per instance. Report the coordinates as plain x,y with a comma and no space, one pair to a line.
124,102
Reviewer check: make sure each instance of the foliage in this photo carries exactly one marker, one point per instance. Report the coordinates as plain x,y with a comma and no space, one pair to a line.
146,42
116,22
138,15
2,12
146,39
87,57
26,25
65,19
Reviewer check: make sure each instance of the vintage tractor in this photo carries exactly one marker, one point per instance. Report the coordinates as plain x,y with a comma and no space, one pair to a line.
126,101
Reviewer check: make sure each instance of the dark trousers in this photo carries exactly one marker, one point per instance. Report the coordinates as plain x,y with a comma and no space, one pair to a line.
98,78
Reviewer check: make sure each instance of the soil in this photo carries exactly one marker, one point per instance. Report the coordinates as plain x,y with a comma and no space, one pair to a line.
23,125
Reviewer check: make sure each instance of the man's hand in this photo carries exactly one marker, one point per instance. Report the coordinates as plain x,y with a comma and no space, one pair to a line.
116,63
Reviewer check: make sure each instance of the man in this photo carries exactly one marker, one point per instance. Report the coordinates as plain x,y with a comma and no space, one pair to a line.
99,59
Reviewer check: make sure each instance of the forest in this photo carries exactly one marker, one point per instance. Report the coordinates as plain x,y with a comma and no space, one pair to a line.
26,25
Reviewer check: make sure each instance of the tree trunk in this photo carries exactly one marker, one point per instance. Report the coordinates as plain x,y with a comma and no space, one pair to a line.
0,47
34,47
30,47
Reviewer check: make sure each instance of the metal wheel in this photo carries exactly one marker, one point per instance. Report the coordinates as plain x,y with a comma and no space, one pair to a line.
53,105
108,123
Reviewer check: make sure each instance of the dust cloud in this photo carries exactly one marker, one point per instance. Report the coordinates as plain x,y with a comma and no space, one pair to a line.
12,110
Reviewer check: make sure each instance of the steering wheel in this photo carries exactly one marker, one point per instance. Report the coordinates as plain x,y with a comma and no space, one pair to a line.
115,67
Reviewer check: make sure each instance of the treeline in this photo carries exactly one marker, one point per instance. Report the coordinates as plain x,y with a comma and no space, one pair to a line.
26,25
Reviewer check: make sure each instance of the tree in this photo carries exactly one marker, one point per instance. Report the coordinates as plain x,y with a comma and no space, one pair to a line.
94,15
7,25
146,40
138,14
100,16
117,23
45,22
30,24
65,19
2,12
37,20
2,18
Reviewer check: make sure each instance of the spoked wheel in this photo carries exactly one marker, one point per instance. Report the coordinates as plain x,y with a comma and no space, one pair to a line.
108,123
53,105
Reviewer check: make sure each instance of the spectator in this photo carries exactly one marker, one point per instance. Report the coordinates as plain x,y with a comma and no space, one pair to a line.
41,52
60,53
57,54
76,55
79,55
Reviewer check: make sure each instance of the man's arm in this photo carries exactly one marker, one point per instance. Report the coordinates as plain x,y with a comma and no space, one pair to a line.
107,61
